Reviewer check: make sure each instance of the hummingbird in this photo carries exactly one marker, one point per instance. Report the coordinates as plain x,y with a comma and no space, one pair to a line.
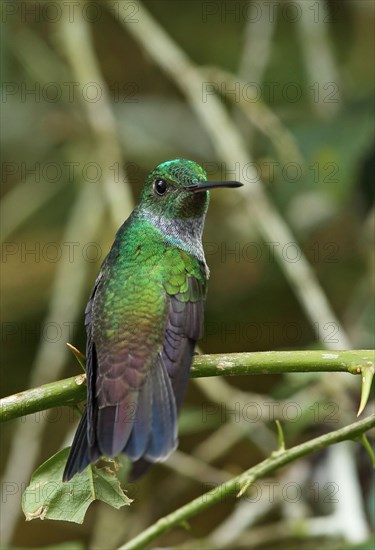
143,319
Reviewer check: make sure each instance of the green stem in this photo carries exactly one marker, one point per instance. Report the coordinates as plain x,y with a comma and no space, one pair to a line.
278,362
240,483
56,394
73,390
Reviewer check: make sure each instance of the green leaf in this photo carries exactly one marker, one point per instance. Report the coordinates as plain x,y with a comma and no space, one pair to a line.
48,497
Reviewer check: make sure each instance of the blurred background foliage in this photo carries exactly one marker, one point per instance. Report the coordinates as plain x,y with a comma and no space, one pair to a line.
314,71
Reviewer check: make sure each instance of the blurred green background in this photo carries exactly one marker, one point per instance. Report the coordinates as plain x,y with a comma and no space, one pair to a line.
87,111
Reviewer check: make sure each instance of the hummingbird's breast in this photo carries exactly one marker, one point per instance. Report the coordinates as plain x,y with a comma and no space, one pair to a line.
147,262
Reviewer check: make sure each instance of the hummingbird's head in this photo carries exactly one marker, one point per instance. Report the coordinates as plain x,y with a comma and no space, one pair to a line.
179,189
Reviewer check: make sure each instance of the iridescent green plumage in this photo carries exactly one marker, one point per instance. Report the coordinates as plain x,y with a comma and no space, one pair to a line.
143,319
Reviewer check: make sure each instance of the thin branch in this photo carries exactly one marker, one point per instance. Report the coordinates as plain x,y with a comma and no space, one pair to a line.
241,483
258,42
72,390
101,120
278,362
320,63
21,202
63,392
258,114
256,52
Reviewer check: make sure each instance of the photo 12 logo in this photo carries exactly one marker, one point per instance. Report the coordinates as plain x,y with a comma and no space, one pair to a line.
273,171
50,252
268,92
252,252
69,92
270,332
53,12
264,10
68,172
253,412
273,490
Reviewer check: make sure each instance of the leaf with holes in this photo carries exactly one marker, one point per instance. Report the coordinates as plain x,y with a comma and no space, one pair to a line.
48,497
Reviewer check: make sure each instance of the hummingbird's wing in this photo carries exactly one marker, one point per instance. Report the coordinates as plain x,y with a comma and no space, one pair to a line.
82,452
183,328
137,377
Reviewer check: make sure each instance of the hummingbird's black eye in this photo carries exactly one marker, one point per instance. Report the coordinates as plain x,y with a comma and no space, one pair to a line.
160,186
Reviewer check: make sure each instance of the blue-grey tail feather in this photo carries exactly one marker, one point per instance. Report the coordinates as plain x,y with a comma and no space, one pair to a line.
140,435
162,411
154,434
178,375
114,425
80,454
163,438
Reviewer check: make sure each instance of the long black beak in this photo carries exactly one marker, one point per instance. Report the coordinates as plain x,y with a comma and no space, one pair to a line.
206,185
